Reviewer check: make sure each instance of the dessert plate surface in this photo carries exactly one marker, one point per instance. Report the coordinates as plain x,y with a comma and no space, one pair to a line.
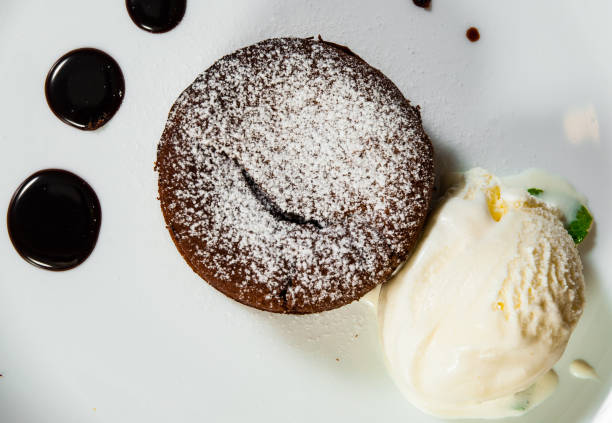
134,335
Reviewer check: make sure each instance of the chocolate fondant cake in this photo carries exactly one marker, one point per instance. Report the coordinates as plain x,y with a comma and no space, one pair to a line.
293,176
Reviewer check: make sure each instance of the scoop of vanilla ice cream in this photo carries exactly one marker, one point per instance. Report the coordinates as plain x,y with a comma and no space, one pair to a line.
486,304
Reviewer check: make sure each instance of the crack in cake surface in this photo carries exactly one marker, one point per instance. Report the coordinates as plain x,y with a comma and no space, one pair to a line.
270,206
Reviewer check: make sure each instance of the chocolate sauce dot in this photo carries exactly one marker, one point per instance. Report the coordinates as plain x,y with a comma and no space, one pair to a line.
85,88
425,4
54,219
472,34
156,15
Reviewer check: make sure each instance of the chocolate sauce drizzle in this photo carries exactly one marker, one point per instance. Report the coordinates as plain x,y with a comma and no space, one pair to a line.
54,219
85,88
156,16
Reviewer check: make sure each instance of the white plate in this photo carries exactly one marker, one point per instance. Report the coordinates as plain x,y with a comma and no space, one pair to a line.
134,335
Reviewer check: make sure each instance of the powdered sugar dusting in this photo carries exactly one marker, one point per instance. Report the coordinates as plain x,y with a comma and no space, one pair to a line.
294,176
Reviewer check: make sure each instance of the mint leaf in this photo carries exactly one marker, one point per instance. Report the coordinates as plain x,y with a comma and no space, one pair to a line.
535,191
522,400
579,227
521,405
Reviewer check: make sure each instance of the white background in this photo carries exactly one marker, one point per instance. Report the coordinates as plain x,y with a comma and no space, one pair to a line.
134,335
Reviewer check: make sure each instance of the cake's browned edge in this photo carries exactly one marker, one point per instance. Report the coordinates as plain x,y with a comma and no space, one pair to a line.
167,218
401,258
423,136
